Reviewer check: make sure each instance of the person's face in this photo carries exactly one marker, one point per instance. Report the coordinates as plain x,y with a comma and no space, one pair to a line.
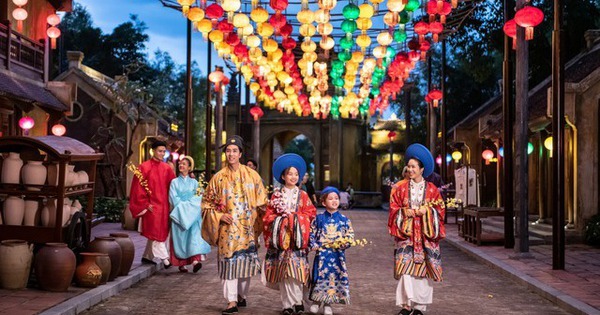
332,201
159,152
291,177
414,170
251,165
305,179
184,167
233,154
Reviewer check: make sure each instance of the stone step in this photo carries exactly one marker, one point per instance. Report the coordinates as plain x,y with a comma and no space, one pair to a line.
538,230
494,227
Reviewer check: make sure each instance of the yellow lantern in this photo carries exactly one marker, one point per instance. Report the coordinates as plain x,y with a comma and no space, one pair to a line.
185,5
379,52
240,20
322,16
307,30
366,11
363,41
265,30
325,29
358,57
395,5
326,43
456,156
364,24
195,14
376,4
289,90
253,41
215,36
254,87
384,39
259,15
306,16
230,6
308,46
327,4
204,26
390,19
247,30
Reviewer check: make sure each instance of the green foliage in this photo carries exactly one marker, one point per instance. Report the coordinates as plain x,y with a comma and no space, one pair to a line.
303,147
110,208
592,231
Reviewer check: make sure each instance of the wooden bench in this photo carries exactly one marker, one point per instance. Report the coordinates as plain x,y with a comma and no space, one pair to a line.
472,222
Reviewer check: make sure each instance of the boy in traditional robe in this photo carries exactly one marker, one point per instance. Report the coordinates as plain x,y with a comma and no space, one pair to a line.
151,205
233,201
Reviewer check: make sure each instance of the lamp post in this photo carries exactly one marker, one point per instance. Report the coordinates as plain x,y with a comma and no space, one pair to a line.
256,113
217,77
391,135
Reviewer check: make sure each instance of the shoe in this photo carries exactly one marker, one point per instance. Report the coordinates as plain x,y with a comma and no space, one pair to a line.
404,312
327,310
242,303
197,268
287,311
314,309
416,312
298,309
231,310
183,269
148,261
167,263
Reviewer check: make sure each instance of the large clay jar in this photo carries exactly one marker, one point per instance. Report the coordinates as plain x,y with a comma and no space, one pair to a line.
31,212
53,174
11,168
103,261
49,213
88,274
127,250
54,267
34,173
82,177
14,210
108,245
70,176
15,262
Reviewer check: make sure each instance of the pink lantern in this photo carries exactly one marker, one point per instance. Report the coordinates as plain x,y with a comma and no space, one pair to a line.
53,19
59,130
529,17
175,156
53,32
26,123
438,160
256,112
487,155
19,3
19,14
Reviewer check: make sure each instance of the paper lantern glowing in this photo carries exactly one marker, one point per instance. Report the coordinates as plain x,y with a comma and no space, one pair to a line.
19,14
456,155
53,32
59,130
438,160
175,156
26,123
529,17
256,112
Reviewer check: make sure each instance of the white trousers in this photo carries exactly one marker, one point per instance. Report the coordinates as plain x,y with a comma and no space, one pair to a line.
414,292
234,287
291,291
156,249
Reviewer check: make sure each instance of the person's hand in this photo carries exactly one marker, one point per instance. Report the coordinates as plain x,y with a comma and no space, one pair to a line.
408,212
226,219
143,212
421,211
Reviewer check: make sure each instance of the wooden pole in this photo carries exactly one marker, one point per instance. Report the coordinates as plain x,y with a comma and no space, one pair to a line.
508,114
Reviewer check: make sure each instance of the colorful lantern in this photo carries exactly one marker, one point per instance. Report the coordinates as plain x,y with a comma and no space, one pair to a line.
529,17
421,28
456,156
26,123
53,32
256,112
185,5
19,14
435,95
436,28
487,156
510,29
59,130
438,160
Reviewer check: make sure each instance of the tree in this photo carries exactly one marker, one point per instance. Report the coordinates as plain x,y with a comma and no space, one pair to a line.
303,147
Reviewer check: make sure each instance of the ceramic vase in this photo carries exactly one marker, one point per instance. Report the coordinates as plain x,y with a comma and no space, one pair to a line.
15,264
53,174
127,251
108,245
34,173
49,213
88,274
31,212
70,176
103,261
54,267
11,168
14,210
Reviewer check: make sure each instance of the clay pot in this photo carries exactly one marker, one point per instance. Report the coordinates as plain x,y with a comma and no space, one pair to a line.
82,177
31,212
11,168
54,267
70,176
103,261
128,222
108,245
53,174
14,210
127,250
77,205
88,274
15,262
34,173
49,213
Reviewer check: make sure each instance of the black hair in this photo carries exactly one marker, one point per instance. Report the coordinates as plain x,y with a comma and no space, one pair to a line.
285,171
158,143
418,162
253,161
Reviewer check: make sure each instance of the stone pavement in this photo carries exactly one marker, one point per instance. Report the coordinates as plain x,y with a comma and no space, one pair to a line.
507,287
469,285
34,301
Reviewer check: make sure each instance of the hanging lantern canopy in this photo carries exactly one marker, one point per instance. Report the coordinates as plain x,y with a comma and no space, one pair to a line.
529,17
59,130
256,112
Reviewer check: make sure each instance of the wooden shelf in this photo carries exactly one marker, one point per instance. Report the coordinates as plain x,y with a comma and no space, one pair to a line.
44,190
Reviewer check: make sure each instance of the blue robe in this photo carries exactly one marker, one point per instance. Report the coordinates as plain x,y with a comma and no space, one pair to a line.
330,276
186,218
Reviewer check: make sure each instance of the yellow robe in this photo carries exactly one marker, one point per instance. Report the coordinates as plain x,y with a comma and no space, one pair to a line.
242,194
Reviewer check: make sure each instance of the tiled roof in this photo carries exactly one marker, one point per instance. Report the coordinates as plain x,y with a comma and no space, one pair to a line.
29,92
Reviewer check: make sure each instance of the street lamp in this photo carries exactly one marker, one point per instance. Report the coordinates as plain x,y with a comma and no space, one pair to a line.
391,135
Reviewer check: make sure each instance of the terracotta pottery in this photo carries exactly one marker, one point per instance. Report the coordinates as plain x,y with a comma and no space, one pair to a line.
128,251
54,267
128,222
14,210
34,173
31,212
49,213
15,263
88,274
11,168
53,174
103,261
82,177
108,245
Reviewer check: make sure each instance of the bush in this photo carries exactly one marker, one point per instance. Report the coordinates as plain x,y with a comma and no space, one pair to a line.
110,208
592,231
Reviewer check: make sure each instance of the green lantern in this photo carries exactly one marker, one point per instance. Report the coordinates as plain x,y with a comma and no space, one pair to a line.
390,52
400,36
404,17
349,26
344,56
351,12
338,82
346,43
412,5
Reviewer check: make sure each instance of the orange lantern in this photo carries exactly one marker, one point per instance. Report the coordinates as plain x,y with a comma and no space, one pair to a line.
59,130
487,156
256,112
185,5
529,17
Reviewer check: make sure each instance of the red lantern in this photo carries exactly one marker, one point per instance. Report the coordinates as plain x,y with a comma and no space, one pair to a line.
510,29
214,12
432,10
435,95
19,14
391,135
529,17
278,5
424,47
487,156
53,32
447,9
436,28
421,28
256,112
59,130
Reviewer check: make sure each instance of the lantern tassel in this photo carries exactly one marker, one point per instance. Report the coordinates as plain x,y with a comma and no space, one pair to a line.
443,19
454,4
440,5
528,33
436,38
53,43
20,26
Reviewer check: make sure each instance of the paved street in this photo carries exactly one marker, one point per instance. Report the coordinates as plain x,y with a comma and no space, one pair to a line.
469,286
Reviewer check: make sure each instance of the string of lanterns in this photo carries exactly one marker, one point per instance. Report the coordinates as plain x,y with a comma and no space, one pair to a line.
262,48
